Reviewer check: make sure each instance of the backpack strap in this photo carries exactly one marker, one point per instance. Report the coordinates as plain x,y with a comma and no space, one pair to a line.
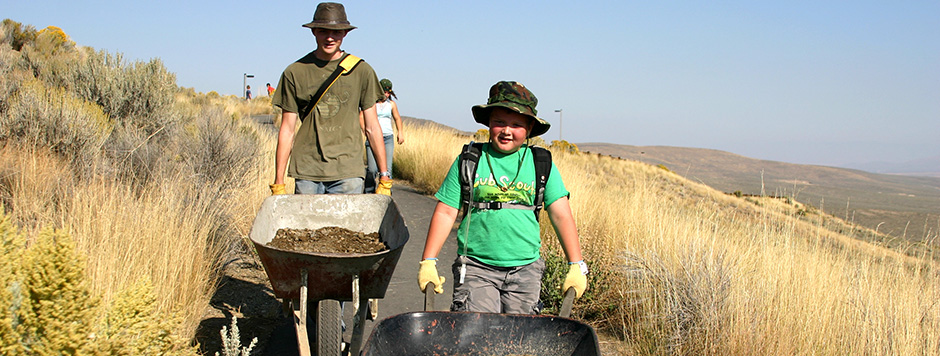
345,66
543,168
467,168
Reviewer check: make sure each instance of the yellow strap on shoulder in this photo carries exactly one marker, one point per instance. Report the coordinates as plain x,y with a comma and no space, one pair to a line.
349,63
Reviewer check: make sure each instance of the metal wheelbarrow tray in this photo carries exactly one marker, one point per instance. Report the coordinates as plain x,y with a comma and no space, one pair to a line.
466,333
304,277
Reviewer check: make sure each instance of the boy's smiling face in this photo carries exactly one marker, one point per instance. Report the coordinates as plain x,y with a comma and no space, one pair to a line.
508,129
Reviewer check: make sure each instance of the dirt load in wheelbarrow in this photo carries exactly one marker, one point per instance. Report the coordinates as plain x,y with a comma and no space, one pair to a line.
319,281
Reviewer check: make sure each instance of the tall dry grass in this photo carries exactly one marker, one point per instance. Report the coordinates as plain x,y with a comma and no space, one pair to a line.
156,185
171,233
687,270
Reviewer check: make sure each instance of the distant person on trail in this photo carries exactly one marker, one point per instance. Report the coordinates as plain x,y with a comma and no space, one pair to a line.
248,92
498,268
325,90
270,89
387,110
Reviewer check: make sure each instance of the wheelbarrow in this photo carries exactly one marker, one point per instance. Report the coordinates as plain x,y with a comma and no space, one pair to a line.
467,333
306,280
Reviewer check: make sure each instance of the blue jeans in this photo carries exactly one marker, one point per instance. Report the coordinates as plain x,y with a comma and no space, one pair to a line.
342,186
372,170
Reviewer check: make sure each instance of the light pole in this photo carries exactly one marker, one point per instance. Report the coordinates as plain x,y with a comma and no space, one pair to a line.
559,123
245,77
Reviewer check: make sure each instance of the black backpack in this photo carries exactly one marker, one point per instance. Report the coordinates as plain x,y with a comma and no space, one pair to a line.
467,169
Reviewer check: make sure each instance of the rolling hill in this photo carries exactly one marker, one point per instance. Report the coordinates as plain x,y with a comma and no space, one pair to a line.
901,206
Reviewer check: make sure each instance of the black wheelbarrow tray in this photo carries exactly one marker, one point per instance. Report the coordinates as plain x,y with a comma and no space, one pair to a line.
322,280
465,333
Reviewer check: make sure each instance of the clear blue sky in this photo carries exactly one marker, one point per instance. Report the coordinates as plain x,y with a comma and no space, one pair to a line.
820,82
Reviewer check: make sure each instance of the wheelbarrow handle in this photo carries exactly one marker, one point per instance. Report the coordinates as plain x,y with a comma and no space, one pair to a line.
429,296
567,303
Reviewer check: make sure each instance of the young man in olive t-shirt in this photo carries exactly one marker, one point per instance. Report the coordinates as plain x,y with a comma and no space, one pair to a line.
326,154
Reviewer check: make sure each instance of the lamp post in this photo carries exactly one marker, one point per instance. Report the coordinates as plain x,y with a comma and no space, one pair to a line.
559,123
245,77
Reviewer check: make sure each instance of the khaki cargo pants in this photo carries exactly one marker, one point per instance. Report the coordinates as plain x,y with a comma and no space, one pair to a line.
490,289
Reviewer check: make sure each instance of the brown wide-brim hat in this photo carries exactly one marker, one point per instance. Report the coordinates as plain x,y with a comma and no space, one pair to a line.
331,16
515,97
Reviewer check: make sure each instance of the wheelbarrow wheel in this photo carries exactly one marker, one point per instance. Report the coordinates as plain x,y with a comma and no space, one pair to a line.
329,329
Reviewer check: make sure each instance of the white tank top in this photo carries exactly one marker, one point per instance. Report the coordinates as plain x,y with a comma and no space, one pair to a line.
384,112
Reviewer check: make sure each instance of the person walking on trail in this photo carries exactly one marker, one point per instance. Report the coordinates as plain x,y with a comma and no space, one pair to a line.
498,268
248,92
270,89
325,90
387,111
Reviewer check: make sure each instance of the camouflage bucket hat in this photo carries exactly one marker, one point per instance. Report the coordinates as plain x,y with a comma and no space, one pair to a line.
331,16
386,84
515,97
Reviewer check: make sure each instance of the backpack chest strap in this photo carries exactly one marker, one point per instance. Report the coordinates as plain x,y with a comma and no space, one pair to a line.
497,205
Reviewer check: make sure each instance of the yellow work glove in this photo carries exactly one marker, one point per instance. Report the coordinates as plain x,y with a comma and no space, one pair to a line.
428,274
576,278
277,189
384,187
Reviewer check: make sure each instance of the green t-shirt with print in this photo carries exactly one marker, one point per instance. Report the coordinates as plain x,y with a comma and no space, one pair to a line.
501,237
328,145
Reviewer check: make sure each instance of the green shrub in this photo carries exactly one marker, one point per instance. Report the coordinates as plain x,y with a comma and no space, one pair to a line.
218,151
40,116
556,269
139,95
16,35
52,40
12,244
133,326
537,141
565,146
57,312
482,135
47,308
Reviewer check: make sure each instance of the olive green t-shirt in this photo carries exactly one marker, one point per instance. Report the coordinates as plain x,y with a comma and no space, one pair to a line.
501,237
328,146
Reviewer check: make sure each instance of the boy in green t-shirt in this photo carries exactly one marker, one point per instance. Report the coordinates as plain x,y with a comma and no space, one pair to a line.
498,268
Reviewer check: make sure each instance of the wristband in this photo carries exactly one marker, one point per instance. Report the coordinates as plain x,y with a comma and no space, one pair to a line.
385,174
431,259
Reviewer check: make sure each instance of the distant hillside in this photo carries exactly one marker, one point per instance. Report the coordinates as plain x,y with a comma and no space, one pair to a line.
898,205
422,122
927,167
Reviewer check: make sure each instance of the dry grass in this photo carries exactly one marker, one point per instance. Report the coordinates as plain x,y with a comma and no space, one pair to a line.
692,271
167,233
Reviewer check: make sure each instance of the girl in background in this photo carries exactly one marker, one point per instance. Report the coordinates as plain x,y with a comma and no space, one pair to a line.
387,110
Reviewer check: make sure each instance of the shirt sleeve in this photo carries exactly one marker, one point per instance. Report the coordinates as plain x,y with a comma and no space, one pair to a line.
286,94
371,90
449,192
